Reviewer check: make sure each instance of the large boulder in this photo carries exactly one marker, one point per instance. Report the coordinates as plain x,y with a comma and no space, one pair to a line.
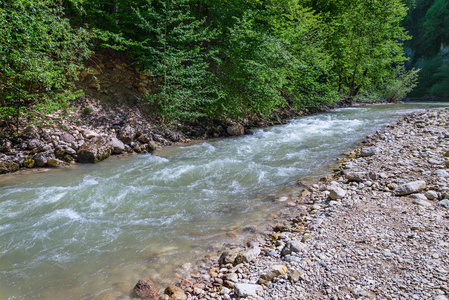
146,289
94,150
410,188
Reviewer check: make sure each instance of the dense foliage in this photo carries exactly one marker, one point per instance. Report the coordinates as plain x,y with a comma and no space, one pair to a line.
428,22
40,56
211,58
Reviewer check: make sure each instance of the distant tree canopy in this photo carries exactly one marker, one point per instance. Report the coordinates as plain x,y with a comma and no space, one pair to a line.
428,23
211,58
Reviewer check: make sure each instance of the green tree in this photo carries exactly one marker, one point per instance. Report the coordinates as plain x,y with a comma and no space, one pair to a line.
365,41
40,57
173,51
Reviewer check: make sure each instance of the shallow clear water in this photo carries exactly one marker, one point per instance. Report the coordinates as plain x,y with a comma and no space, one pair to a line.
93,230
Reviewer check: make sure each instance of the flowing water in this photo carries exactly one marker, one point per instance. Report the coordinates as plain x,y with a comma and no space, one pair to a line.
93,230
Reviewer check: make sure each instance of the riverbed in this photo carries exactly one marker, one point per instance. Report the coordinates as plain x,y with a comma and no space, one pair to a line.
93,230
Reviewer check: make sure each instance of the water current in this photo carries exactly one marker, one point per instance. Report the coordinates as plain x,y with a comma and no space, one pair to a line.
91,231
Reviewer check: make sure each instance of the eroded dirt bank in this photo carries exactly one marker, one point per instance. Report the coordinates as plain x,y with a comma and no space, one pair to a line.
378,228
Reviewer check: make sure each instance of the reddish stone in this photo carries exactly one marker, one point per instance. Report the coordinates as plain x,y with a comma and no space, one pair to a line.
146,289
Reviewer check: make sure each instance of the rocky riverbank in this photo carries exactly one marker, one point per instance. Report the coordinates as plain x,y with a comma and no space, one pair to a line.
95,130
378,228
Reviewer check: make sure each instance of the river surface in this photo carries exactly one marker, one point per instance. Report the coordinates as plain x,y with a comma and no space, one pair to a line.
93,230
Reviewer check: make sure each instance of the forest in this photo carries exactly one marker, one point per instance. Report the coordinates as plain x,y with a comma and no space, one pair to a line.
226,58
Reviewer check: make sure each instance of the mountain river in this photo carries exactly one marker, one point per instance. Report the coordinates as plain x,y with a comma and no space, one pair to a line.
91,231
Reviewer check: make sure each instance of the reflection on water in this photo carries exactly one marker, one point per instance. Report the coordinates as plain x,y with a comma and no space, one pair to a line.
95,229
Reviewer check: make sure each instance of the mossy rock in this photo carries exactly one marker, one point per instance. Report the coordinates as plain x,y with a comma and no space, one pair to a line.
8,167
55,163
29,163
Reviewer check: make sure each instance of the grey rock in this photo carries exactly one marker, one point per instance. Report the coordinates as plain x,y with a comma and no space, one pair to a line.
30,132
444,203
34,144
293,247
441,173
55,163
227,257
225,291
247,290
422,202
117,146
431,195
94,150
365,152
232,277
89,134
275,271
247,256
152,146
356,176
144,138
42,159
410,188
418,196
295,276
337,193
67,137
127,134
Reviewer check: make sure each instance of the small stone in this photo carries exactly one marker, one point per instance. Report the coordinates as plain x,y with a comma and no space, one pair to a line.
431,195
356,176
294,276
247,290
418,196
441,173
337,193
282,199
293,247
422,202
444,203
365,152
175,293
89,134
225,291
410,188
198,291
232,277
247,256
